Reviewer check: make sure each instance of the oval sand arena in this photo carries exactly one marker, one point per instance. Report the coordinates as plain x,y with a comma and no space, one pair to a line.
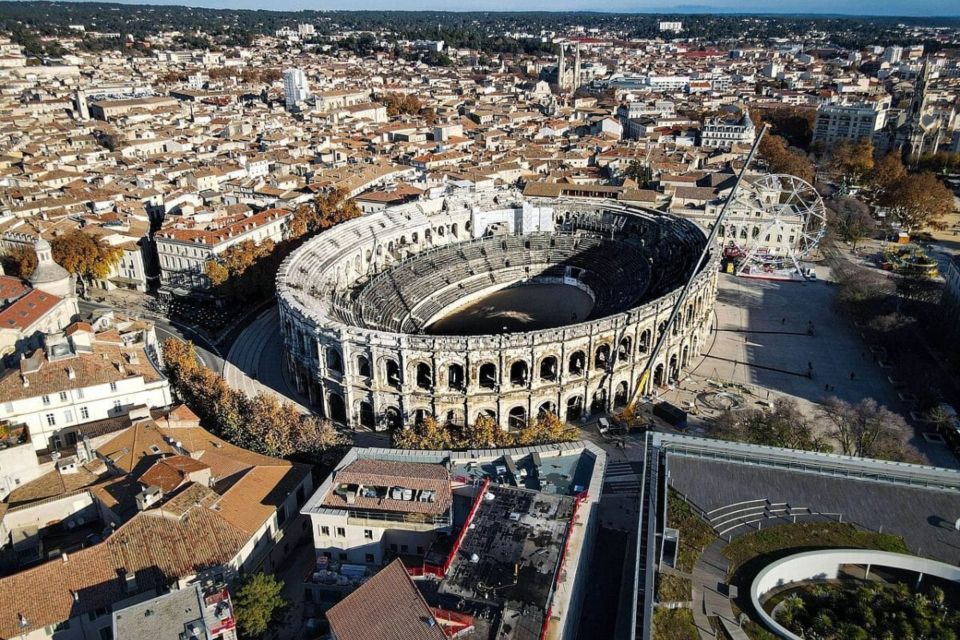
525,307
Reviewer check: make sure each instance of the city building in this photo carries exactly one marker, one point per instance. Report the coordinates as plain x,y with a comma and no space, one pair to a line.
151,503
296,88
723,132
837,122
184,614
184,250
496,527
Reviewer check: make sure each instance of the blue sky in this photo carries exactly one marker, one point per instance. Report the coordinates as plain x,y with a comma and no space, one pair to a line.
851,7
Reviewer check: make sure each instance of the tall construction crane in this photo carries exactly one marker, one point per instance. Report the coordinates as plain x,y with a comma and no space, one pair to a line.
711,239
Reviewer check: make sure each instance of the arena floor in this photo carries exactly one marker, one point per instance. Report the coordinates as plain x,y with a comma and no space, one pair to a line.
527,307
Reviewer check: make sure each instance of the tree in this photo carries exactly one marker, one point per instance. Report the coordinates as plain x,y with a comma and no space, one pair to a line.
484,433
919,200
261,423
429,434
639,172
327,209
851,220
217,273
853,159
781,159
258,603
545,429
887,171
84,255
867,429
783,426
313,436
20,262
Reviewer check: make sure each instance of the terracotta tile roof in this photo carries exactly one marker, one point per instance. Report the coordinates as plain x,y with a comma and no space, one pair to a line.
137,448
51,485
107,363
153,547
384,473
387,607
169,473
255,497
28,309
12,288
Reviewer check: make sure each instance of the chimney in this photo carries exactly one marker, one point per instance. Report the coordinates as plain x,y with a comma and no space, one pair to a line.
64,557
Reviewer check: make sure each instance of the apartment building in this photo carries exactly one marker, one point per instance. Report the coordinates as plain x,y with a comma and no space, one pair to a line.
184,249
849,122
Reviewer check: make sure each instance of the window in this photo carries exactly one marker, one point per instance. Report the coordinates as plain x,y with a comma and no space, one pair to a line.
369,558
51,420
116,405
84,413
8,407
106,633
404,548
368,534
324,531
113,386
68,416
80,394
63,396
46,400
343,556
341,532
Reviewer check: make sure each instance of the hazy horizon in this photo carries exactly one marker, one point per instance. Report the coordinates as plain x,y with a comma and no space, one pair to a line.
852,8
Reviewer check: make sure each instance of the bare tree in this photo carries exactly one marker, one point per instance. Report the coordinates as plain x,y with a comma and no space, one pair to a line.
851,220
783,426
868,430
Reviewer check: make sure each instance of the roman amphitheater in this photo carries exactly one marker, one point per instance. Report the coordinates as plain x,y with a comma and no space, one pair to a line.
486,304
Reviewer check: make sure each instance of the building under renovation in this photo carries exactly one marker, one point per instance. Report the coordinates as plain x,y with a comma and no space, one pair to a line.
497,542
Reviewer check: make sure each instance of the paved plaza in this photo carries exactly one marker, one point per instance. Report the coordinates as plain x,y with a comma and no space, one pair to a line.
762,347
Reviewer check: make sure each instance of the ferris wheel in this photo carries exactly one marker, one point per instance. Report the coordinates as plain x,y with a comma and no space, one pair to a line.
792,221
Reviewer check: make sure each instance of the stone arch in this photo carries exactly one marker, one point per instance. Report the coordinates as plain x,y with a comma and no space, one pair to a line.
658,378
334,360
423,375
363,366
487,375
645,341
601,356
621,395
548,369
456,379
366,415
391,373
598,403
486,413
574,407
674,368
336,409
519,373
392,418
625,350
577,363
546,407
517,417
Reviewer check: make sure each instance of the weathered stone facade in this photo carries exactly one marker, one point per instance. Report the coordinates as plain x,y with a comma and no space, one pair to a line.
366,365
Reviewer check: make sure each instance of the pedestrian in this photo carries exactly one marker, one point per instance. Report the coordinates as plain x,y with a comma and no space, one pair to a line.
826,387
783,321
852,375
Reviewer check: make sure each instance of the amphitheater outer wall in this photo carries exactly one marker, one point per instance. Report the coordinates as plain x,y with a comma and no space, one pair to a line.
369,378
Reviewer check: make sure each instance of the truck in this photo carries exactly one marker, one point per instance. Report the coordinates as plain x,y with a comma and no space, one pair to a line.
671,414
